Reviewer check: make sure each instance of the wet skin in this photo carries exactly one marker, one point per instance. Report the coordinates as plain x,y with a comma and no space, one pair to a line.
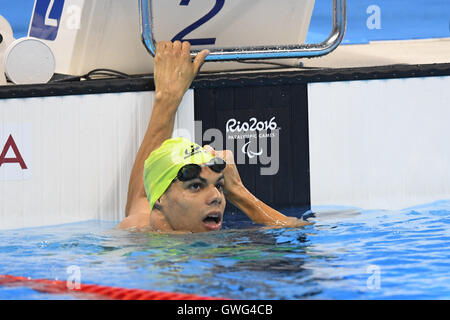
196,205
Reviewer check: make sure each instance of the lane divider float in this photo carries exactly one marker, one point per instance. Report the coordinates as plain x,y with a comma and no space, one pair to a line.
93,291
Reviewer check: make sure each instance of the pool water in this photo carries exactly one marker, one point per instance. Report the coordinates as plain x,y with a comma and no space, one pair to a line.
346,254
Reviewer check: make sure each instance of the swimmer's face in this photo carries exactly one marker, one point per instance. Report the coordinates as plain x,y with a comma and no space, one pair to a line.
195,205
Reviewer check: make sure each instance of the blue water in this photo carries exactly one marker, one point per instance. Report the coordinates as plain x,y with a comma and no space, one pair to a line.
345,254
399,19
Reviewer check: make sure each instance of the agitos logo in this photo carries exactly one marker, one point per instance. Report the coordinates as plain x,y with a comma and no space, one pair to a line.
11,145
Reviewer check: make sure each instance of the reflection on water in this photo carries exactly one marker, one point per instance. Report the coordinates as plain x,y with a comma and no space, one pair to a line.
228,263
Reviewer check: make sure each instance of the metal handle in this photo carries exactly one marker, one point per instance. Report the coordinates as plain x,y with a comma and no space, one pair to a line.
257,52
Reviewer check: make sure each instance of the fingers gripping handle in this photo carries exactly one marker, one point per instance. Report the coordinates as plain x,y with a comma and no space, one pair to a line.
259,52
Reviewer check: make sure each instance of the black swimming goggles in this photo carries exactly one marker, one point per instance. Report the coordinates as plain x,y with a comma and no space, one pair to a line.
192,171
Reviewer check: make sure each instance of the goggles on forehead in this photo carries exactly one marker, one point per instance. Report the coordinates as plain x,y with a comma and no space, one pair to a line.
192,171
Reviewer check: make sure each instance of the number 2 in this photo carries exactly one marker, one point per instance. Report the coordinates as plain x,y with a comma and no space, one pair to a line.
202,41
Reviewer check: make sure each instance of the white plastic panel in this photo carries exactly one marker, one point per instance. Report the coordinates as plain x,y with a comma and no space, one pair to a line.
379,144
236,23
106,33
78,151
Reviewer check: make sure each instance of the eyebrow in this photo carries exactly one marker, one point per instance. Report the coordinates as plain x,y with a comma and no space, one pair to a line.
203,180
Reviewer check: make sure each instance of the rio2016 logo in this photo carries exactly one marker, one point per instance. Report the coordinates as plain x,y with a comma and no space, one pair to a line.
253,124
252,139
248,147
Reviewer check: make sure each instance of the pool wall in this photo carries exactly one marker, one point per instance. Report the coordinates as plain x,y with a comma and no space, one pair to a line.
380,144
69,158
369,138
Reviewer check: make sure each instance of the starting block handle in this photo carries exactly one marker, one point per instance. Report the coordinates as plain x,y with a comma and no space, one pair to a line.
256,52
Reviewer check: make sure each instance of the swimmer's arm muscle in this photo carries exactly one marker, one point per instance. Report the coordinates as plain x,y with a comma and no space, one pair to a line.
174,72
160,128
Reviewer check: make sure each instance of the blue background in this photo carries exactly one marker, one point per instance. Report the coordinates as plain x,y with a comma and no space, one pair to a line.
400,19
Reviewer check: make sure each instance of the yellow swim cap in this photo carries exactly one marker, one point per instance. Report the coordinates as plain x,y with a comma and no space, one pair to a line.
163,164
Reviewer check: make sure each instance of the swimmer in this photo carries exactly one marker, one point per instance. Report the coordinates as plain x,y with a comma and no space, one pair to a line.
175,184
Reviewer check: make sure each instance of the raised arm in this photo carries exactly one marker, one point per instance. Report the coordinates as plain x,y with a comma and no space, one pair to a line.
255,209
174,72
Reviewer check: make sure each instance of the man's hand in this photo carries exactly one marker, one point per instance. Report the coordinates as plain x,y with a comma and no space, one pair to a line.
231,175
174,70
254,208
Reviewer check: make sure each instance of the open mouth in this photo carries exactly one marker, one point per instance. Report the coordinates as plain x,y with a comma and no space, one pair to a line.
213,221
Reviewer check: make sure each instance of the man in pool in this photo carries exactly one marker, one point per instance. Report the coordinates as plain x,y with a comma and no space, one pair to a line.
177,185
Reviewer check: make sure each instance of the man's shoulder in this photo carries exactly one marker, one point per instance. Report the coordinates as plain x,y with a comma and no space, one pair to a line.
136,220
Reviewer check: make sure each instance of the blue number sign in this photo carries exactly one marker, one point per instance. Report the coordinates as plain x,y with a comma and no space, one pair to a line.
46,19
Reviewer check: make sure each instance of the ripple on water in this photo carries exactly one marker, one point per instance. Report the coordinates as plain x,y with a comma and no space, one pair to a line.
334,258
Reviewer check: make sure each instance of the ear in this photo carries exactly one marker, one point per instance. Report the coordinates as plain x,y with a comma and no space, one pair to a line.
163,200
158,204
158,220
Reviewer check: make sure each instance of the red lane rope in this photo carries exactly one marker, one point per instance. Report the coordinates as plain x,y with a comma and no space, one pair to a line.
96,291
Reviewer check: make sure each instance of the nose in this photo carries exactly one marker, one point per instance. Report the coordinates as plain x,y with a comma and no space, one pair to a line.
214,196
